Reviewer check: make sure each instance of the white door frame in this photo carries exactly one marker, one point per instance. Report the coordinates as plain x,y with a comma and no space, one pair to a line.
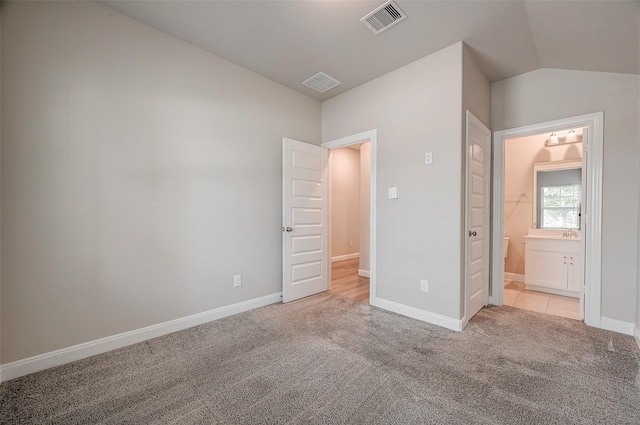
593,153
372,137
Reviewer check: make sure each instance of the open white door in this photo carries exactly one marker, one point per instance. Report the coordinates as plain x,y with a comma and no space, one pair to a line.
304,220
478,170
584,199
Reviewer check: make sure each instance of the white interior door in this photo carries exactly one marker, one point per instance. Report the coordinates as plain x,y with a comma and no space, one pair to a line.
478,170
583,218
304,222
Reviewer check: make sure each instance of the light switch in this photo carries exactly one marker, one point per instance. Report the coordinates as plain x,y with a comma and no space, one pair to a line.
393,193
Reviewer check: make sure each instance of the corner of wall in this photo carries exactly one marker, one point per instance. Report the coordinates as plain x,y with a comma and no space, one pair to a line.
476,87
476,98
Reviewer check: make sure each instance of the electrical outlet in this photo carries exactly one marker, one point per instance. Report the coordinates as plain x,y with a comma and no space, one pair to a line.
424,285
428,157
350,243
237,280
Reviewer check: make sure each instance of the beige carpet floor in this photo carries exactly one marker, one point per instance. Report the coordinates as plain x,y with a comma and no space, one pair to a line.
330,360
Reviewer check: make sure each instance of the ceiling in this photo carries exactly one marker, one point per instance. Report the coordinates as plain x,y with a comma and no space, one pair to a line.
290,41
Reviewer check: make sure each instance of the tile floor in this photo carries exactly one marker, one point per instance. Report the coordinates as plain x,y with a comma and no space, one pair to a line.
516,296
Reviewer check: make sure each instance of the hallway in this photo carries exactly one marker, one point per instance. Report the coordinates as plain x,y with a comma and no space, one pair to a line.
346,282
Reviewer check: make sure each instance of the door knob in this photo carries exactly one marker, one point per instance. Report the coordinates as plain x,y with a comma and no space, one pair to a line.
289,229
474,233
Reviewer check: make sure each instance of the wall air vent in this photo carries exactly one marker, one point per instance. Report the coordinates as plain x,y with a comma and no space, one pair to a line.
321,82
383,17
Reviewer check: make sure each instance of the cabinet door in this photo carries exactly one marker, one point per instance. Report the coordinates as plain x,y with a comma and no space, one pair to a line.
546,268
574,272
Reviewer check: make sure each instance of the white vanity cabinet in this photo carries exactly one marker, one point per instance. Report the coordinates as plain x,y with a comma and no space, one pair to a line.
553,265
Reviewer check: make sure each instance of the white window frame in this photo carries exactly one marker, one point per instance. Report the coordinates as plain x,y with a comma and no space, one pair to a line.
567,164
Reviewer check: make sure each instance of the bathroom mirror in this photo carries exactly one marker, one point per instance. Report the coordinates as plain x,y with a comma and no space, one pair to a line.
557,187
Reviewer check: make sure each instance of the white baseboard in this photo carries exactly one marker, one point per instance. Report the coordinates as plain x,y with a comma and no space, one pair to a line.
514,277
364,273
637,336
416,313
66,355
619,326
345,257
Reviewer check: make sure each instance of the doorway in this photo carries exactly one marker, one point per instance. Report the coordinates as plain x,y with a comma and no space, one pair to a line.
358,271
349,186
543,236
591,214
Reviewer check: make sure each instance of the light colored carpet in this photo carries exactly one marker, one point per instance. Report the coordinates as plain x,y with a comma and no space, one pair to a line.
331,360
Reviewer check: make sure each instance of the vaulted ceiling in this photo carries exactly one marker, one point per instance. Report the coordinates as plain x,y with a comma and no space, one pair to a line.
290,41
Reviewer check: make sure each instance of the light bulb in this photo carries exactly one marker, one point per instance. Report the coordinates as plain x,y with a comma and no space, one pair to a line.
553,139
571,137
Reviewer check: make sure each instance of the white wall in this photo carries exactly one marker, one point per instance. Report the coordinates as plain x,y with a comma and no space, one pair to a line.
365,206
416,109
551,94
345,201
139,174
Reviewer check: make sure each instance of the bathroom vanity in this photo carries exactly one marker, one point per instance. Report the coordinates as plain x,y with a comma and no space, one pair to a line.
553,262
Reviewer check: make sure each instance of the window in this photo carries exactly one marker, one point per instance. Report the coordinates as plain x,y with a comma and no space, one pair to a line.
558,194
561,207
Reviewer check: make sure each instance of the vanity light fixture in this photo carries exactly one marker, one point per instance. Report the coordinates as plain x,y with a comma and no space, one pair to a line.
555,140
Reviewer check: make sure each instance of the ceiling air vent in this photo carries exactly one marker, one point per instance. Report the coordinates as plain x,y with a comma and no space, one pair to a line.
321,82
383,17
